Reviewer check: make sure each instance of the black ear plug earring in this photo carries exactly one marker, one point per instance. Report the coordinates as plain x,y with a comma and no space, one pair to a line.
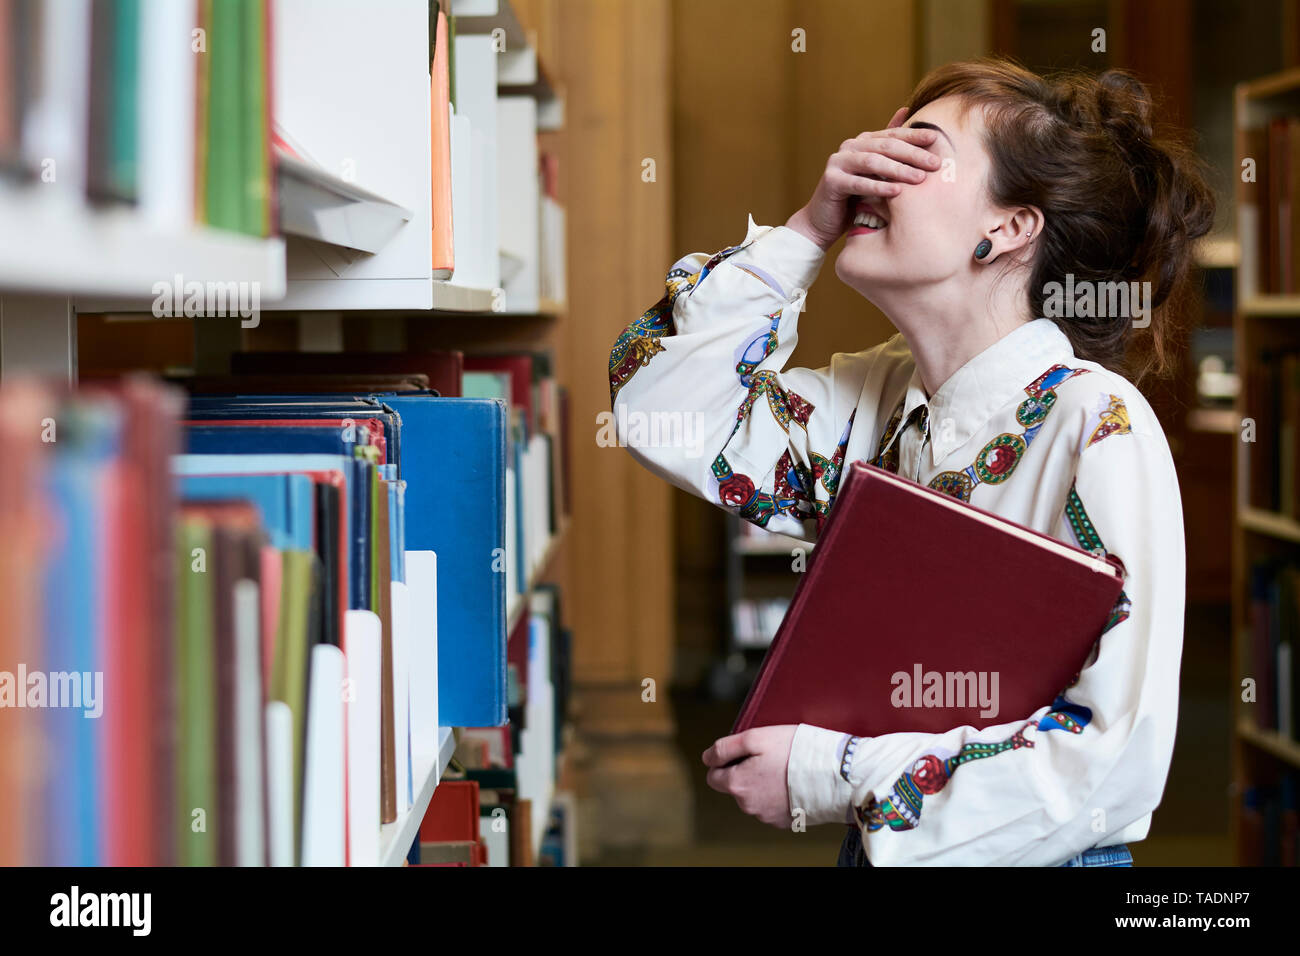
983,249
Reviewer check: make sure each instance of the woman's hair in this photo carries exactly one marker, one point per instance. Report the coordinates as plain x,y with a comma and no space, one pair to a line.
1122,203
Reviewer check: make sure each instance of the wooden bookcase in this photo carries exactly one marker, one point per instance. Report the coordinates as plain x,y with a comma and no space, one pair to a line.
1264,323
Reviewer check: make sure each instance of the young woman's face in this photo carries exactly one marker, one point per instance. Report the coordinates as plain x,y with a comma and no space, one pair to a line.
932,227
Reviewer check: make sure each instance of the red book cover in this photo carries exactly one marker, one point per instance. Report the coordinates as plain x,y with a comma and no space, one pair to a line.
443,367
517,655
452,816
908,587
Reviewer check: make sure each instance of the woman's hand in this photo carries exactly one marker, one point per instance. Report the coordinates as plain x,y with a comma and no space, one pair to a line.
869,165
758,782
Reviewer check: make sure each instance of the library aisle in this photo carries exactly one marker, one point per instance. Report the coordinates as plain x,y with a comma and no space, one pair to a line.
319,545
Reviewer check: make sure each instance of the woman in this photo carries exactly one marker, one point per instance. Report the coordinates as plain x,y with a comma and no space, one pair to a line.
991,228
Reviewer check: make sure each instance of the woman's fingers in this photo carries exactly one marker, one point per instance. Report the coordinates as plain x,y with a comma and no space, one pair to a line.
906,134
877,164
899,116
725,750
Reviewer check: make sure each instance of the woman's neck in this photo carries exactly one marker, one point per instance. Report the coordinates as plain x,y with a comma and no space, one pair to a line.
945,328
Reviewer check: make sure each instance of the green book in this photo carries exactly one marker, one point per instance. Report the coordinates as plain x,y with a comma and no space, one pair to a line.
289,667
255,158
224,187
124,133
196,675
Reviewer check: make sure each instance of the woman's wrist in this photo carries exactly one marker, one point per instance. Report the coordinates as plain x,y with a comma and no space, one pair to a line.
802,224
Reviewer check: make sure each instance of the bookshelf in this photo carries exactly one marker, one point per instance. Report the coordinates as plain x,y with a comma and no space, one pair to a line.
1266,530
395,838
349,108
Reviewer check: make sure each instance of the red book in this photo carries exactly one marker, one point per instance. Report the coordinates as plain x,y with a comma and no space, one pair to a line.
922,613
443,367
453,813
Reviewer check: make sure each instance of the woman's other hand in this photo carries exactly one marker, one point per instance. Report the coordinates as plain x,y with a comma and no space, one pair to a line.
758,781
869,165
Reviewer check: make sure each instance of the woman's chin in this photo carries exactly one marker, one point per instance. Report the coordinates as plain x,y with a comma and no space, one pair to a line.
859,272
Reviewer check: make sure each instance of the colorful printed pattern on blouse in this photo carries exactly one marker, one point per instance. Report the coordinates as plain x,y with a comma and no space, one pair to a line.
1109,417
1000,456
901,808
637,344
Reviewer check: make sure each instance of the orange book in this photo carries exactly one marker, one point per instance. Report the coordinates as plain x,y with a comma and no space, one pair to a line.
444,259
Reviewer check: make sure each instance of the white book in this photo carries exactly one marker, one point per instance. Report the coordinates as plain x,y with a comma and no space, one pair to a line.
422,583
541,513
402,694
279,782
167,105
351,86
494,831
250,841
363,639
519,199
324,787
466,223
476,100
511,557
55,128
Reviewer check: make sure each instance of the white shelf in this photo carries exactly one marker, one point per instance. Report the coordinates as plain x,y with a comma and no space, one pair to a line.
395,838
450,297
317,204
54,247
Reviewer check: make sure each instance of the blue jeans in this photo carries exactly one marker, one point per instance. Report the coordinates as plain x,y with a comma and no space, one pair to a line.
851,854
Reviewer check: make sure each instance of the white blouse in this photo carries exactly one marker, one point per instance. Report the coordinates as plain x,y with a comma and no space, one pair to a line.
701,397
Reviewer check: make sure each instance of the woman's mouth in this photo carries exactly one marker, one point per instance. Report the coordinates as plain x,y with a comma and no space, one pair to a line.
866,220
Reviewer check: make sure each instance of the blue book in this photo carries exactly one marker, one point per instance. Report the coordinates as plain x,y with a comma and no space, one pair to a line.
453,462
282,439
285,502
89,440
209,407
355,471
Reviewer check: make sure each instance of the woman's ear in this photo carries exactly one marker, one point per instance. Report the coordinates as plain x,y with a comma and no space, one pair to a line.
1015,230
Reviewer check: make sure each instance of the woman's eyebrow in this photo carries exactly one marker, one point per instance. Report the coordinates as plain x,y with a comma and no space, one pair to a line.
921,124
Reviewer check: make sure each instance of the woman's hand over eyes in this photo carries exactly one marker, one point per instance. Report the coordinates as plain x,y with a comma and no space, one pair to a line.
871,165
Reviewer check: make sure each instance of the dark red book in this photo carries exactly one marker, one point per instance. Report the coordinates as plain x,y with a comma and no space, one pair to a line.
442,367
453,813
922,613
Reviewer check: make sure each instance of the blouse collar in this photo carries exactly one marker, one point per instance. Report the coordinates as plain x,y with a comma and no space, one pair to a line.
973,394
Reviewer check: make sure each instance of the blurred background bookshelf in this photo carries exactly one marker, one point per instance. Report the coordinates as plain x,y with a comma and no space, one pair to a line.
1266,757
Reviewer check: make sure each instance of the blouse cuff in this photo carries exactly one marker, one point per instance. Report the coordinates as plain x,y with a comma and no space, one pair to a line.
781,257
813,775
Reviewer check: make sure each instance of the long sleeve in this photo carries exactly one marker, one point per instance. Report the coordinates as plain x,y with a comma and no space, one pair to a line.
1086,769
700,396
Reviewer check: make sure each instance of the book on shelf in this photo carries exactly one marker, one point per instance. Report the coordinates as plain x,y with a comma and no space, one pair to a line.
1268,828
231,556
1276,149
1273,405
1267,657
444,249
